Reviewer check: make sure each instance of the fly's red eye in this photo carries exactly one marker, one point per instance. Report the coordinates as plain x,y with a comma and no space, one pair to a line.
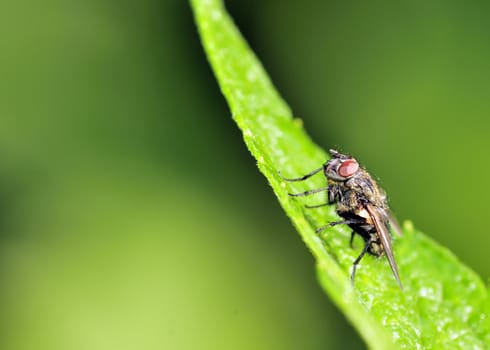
348,168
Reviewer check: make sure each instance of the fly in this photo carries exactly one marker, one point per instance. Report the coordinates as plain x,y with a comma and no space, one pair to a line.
361,203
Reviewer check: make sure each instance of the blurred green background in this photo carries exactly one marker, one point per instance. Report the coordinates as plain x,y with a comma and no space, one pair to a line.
132,215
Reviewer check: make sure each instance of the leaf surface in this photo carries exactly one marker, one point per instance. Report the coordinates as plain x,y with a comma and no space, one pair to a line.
444,304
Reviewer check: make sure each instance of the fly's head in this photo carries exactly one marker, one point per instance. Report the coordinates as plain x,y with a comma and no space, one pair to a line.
341,167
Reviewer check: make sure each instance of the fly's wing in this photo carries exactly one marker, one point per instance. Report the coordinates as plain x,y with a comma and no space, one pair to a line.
395,226
385,238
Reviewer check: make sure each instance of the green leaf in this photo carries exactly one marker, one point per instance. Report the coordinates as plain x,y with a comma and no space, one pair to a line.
444,305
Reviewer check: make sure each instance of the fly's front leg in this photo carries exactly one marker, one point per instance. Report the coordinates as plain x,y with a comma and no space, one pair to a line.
302,178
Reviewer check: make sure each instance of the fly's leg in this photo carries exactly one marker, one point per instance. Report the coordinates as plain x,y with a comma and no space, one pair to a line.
352,238
356,262
306,193
345,222
302,178
316,206
333,195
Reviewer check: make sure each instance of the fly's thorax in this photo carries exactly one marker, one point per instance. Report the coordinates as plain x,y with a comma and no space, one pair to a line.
367,189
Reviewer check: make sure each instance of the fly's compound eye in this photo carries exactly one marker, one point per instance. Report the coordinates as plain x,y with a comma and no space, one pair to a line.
348,168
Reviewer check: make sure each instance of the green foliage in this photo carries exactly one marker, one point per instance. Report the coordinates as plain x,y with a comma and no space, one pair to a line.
444,305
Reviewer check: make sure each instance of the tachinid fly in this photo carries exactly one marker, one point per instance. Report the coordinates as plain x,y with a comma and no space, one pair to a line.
361,203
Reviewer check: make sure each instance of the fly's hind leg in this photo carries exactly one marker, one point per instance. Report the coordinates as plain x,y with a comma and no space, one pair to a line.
358,259
352,235
345,222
